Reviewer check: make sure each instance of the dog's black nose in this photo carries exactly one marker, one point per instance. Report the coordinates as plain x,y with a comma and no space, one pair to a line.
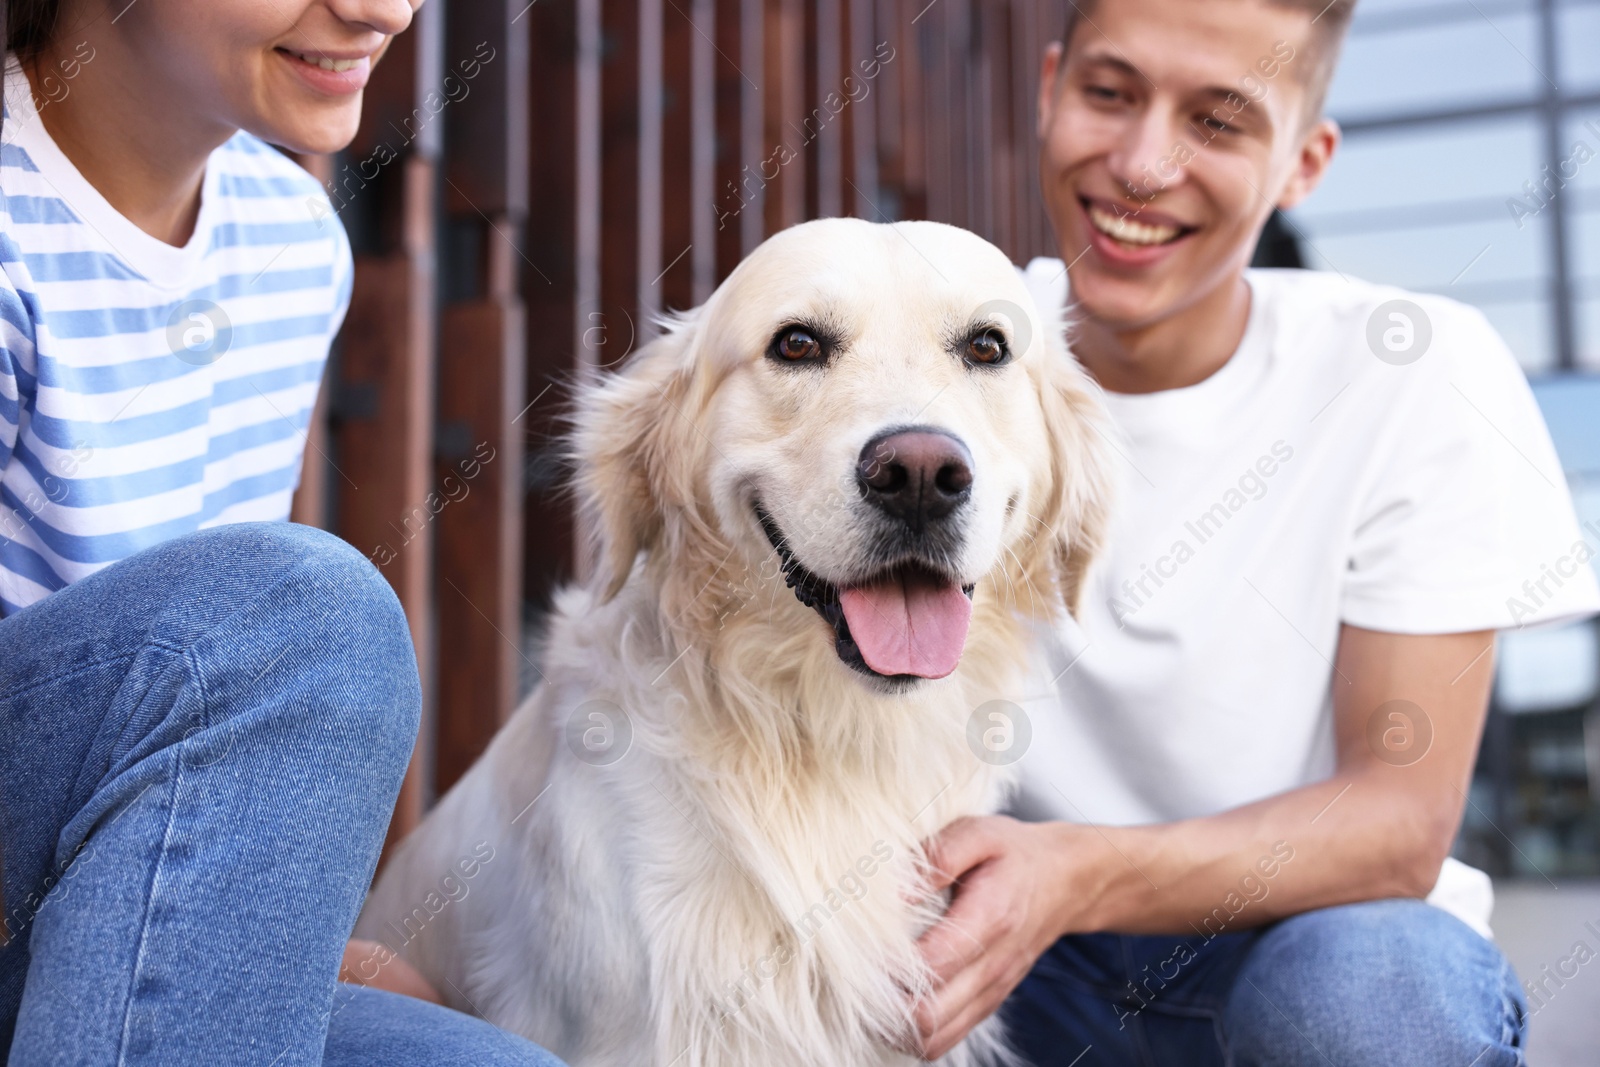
917,475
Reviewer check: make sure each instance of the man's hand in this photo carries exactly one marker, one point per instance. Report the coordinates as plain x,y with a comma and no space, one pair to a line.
1017,885
1379,827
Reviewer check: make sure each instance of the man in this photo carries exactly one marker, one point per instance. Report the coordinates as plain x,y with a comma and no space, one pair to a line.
1270,700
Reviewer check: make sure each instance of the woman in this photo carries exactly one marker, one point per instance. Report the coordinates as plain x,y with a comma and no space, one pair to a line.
208,711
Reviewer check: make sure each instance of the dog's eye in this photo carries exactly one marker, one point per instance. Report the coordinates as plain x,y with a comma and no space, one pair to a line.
797,345
989,348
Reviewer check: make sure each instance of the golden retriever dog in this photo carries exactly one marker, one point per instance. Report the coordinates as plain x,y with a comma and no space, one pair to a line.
828,507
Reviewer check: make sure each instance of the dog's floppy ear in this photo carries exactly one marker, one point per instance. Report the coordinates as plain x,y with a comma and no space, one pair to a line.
1079,505
630,449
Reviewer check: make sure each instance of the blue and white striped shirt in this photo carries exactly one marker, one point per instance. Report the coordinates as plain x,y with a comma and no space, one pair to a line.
147,391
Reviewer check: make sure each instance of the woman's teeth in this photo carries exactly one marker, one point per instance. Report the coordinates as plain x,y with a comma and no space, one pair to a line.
1129,232
335,65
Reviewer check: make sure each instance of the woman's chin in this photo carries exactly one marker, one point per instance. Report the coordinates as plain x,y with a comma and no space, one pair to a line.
315,135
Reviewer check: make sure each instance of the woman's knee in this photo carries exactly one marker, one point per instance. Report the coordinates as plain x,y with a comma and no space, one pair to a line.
301,621
176,591
326,607
1392,982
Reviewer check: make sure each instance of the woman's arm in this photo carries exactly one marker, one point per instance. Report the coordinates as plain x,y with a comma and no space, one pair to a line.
1380,827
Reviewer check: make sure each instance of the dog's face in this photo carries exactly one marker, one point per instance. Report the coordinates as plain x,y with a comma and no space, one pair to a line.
872,415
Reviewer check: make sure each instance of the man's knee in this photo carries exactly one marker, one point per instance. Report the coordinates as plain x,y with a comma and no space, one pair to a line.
1390,982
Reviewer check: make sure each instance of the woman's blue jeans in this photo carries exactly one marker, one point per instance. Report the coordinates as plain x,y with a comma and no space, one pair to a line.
202,745
1389,983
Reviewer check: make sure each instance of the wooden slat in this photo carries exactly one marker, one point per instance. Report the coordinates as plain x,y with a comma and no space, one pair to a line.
486,80
311,503
587,142
805,124
914,157
385,401
730,152
937,101
864,61
1049,18
754,146
674,274
982,141
848,115
785,110
1024,79
888,110
478,488
480,548
618,310
649,189
822,124
702,149
1007,175
563,237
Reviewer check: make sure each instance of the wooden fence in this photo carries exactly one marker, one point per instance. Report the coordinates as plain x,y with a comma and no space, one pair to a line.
533,184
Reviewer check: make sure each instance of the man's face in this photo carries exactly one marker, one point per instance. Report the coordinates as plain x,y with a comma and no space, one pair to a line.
1170,129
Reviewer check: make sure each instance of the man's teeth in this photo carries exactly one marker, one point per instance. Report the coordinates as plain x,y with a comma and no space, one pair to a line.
1128,231
336,65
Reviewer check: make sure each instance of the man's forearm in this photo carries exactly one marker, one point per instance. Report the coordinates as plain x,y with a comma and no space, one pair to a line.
1380,827
1353,837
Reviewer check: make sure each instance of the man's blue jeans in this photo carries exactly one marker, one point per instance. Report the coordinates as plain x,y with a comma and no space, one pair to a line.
202,748
1395,983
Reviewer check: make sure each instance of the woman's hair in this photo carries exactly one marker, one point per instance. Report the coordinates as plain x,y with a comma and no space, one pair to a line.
27,24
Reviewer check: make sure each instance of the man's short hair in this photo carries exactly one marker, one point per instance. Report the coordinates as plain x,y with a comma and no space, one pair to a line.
1331,19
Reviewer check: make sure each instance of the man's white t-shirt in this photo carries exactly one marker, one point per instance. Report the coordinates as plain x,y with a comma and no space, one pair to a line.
1305,484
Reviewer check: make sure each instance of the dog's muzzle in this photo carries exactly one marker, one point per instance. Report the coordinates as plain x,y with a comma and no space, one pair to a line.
904,621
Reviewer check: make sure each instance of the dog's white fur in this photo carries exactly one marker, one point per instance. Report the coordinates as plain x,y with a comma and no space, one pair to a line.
745,885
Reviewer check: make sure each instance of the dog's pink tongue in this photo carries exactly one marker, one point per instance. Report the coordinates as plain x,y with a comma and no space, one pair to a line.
911,624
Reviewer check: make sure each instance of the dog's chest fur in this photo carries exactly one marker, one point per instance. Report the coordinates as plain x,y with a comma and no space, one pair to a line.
710,898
